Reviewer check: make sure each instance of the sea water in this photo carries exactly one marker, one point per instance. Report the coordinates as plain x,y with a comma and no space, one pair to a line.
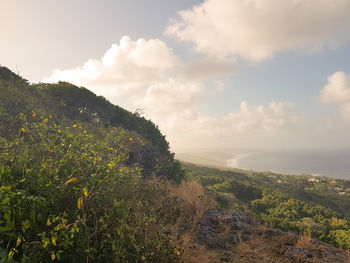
330,163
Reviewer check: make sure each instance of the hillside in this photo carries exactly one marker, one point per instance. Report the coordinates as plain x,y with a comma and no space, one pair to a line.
71,173
316,205
83,180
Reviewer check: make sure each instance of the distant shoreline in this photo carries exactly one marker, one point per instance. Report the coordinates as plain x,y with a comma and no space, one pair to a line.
329,163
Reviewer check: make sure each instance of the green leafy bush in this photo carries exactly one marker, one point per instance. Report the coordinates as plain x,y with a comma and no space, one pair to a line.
71,196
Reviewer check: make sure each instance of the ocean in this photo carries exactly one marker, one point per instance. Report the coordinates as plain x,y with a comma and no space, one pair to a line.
330,163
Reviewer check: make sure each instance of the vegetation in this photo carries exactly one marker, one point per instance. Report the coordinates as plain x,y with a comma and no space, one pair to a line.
83,180
303,204
75,178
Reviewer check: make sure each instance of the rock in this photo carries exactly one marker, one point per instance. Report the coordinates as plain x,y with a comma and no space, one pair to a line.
234,237
217,229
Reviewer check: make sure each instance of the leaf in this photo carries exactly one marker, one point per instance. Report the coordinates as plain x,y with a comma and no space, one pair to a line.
19,241
85,190
53,239
53,256
80,202
6,228
10,255
70,180
45,242
26,224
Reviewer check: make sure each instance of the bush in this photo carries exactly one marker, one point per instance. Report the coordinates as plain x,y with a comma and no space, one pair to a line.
71,196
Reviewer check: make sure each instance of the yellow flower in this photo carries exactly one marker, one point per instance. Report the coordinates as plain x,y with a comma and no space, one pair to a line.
33,114
130,139
22,129
74,125
59,131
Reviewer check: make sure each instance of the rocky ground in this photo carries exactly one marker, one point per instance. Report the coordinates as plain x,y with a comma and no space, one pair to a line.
232,236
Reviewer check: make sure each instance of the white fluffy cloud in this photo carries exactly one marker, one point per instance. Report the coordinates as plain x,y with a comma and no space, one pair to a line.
174,96
257,29
142,74
124,69
249,119
337,91
261,118
146,74
250,126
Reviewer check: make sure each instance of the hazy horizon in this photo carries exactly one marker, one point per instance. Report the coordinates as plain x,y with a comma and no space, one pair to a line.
333,163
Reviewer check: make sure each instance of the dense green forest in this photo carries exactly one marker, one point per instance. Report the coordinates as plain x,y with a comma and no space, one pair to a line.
303,203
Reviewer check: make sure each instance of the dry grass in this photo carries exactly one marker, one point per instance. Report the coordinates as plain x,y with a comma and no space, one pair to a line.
305,242
265,248
193,203
252,251
192,194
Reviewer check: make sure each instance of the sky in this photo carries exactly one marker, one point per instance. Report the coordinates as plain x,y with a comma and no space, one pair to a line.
256,74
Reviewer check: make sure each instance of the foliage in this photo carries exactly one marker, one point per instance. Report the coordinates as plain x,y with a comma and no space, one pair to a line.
291,203
71,104
66,192
8,75
74,178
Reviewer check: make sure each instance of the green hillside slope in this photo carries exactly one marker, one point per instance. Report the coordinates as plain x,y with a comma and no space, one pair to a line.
71,178
317,205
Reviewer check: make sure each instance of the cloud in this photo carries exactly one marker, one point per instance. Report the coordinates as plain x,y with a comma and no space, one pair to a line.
250,126
345,111
126,68
147,74
144,73
262,118
337,91
171,97
257,29
249,119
